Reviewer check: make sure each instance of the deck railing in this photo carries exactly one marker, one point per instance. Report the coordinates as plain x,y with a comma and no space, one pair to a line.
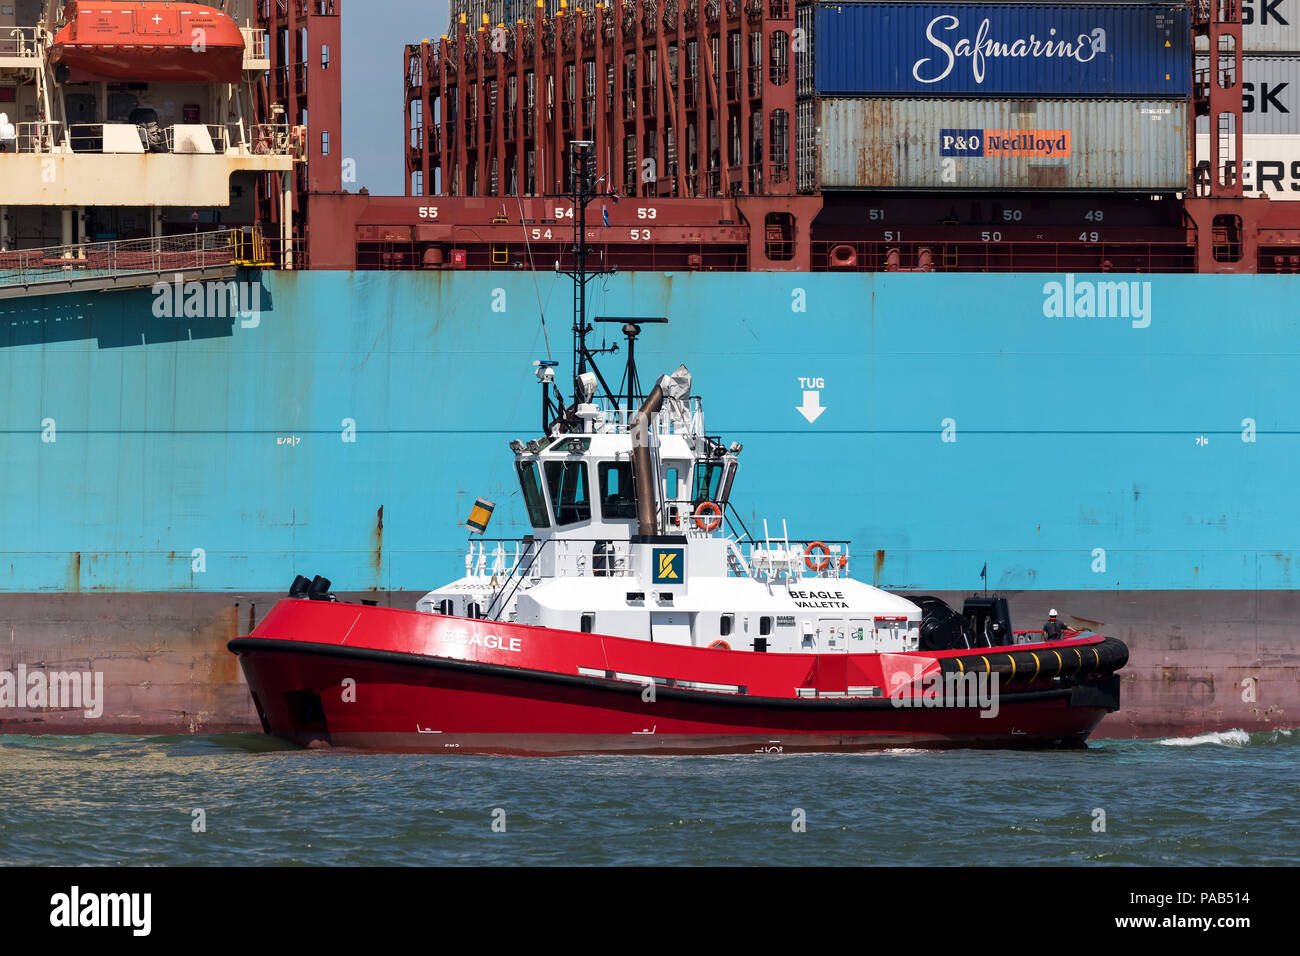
191,253
22,41
503,559
254,44
259,139
40,136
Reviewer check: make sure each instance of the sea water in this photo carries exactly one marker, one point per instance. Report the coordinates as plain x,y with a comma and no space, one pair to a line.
1215,798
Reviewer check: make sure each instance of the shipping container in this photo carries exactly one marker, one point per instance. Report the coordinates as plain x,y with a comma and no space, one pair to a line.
1139,145
1267,26
1271,165
1001,50
1270,103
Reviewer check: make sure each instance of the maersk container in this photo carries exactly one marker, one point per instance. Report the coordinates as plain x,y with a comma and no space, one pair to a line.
1267,26
1270,95
999,50
1270,165
1270,26
963,144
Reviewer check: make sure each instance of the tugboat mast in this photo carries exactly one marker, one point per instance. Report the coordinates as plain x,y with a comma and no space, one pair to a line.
581,160
583,191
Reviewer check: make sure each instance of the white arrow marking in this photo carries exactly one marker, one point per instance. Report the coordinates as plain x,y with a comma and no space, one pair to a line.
811,408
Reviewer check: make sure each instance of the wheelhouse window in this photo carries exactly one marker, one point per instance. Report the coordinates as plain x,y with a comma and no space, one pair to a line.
616,498
671,491
531,486
708,476
567,483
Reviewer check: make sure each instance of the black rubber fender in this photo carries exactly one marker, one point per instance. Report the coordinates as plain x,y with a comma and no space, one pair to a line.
1085,661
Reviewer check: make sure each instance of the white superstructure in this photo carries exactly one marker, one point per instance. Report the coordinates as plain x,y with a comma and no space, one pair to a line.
87,161
606,560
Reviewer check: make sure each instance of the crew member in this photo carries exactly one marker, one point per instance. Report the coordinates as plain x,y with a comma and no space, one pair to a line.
1053,628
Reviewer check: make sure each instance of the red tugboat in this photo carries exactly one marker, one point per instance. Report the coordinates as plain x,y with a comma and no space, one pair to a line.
629,621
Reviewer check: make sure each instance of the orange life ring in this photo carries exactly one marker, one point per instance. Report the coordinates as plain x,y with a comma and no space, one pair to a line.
712,524
719,646
825,561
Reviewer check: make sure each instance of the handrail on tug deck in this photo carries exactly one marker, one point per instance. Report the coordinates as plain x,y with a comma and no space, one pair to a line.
505,600
767,560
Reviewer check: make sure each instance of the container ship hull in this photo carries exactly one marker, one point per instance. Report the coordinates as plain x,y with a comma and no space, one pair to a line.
166,477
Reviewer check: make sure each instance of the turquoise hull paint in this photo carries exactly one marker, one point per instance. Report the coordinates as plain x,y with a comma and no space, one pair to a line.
1073,434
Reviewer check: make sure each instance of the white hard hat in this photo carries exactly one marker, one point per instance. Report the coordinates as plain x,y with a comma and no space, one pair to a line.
1052,613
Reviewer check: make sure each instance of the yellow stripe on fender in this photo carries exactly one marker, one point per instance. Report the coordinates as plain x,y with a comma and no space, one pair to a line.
1038,666
1060,664
1012,659
960,666
987,668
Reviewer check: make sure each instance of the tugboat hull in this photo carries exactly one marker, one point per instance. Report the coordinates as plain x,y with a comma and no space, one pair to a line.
346,681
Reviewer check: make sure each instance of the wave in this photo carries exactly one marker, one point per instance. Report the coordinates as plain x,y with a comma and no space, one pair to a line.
1232,738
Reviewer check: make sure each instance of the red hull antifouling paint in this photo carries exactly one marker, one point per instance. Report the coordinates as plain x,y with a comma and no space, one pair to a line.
325,673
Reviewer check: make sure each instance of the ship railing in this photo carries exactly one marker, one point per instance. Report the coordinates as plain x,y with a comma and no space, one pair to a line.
165,256
254,44
505,581
211,139
786,558
589,557
89,137
697,516
271,138
503,559
27,42
38,136
495,557
201,138
506,563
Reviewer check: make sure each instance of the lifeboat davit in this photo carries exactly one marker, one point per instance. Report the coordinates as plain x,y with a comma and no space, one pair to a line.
158,42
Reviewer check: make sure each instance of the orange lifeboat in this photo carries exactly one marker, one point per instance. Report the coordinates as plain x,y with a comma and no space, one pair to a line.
176,42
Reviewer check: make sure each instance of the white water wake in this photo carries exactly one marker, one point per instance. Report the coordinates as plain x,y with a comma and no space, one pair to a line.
1226,738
